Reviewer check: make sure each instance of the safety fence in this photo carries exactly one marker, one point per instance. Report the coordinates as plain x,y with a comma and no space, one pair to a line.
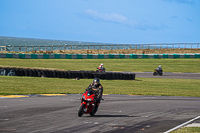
11,71
96,56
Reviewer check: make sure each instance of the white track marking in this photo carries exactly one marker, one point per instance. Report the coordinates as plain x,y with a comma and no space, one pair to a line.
182,125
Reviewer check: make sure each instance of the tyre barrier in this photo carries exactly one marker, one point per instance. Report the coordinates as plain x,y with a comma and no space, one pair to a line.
66,74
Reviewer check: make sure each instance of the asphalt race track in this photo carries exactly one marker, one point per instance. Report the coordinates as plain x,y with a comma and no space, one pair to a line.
168,75
117,113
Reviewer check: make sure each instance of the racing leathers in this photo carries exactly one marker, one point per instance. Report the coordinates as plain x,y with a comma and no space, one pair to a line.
98,90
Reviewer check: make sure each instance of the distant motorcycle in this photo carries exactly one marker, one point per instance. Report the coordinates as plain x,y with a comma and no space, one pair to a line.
100,70
156,72
88,101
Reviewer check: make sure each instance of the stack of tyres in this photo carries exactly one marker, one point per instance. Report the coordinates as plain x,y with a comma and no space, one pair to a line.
39,73
54,73
117,76
21,72
26,72
112,75
82,74
61,74
46,72
35,72
90,75
68,74
71,74
108,76
65,74
16,71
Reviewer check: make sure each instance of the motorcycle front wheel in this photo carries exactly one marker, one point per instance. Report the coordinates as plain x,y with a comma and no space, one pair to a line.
81,110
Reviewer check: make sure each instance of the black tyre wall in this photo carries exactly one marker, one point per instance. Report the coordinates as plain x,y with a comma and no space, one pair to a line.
71,74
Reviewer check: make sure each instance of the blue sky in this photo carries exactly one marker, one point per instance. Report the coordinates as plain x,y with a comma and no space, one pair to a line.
105,21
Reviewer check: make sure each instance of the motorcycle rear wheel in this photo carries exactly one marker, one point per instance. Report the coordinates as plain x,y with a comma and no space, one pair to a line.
154,74
80,111
93,112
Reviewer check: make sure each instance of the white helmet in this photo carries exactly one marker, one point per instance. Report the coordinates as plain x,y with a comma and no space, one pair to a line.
159,65
101,64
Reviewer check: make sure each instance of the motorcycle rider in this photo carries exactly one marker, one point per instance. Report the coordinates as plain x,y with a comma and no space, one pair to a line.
159,69
98,90
100,67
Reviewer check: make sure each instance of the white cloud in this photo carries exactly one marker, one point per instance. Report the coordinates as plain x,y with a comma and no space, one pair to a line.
114,17
118,18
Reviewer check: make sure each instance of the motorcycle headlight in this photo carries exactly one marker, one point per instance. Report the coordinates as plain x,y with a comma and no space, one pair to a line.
89,99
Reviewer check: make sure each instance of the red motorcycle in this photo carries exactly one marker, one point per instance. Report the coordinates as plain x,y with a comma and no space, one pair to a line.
157,72
100,70
88,101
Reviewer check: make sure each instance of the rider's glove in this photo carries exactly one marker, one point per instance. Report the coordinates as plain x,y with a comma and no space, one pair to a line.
90,87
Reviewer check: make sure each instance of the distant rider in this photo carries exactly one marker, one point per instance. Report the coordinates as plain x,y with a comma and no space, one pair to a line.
100,67
159,69
98,90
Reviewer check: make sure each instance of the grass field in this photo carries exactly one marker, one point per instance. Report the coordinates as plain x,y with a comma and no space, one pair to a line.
188,130
140,86
134,65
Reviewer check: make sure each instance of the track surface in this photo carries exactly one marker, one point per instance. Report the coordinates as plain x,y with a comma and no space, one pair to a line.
117,113
168,75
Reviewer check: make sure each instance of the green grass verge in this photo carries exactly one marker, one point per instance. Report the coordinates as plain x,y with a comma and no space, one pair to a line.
188,130
141,86
135,65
